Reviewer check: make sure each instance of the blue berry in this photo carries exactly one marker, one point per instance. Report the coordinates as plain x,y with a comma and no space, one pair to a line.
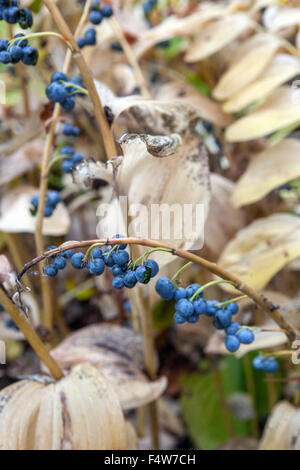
53,198
16,54
108,259
90,37
232,343
81,43
233,328
48,210
190,290
116,270
97,253
3,45
30,55
245,336
185,307
179,318
211,309
10,15
96,267
60,262
266,364
180,293
120,257
165,288
56,92
150,263
193,318
71,131
21,43
143,274
50,248
130,279
200,306
24,18
127,306
11,324
67,166
233,308
107,11
57,76
96,17
222,319
67,150
118,282
4,57
68,254
68,104
77,158
77,260
51,270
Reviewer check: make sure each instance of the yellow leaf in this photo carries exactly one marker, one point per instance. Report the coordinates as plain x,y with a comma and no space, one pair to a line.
260,250
268,170
281,109
253,55
282,68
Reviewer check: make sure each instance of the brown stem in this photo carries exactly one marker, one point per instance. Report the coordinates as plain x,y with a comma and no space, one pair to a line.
30,335
131,58
266,305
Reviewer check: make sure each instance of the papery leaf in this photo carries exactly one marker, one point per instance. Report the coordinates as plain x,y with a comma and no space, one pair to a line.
268,170
23,160
217,35
253,55
280,16
282,429
260,250
279,110
282,68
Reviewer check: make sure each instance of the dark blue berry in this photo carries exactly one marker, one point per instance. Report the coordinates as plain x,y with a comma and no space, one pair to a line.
200,306
67,166
116,270
118,282
77,260
180,293
60,262
96,17
150,263
232,343
222,319
5,57
16,54
266,364
57,76
24,18
21,43
56,92
51,270
245,336
68,254
90,37
130,279
121,247
53,198
233,328
179,318
77,158
97,253
185,307
81,43
143,274
120,257
107,11
3,45
30,55
165,288
71,131
68,104
10,15
233,308
96,267
190,290
211,309
108,259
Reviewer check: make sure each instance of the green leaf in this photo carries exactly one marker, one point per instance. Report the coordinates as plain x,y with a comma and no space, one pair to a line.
202,409
163,313
36,6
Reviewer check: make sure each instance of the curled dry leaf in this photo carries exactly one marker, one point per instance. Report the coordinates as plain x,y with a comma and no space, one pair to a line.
118,353
282,69
261,249
16,216
279,110
224,220
217,35
282,429
59,416
158,145
253,55
21,161
278,17
268,170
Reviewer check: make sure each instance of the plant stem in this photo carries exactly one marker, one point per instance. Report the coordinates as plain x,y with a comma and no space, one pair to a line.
45,284
38,35
235,299
177,275
266,305
131,58
108,140
209,284
30,335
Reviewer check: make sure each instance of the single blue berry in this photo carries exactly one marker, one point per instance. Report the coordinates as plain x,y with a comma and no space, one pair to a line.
108,259
34,201
30,55
3,45
107,11
81,43
53,198
71,131
143,274
165,288
57,76
233,308
97,253
67,150
233,328
199,306
180,293
96,267
10,15
116,270
51,270
211,307
20,42
150,263
60,262
179,318
24,18
5,57
96,17
68,104
190,290
245,336
232,343
118,282
90,37
67,166
16,54
68,254
120,257
77,260
185,307
48,210
222,319
56,92
77,158
130,279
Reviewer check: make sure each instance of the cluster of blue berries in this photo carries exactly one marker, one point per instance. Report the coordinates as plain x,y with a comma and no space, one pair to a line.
98,13
265,363
116,258
11,12
71,131
148,6
18,51
61,90
89,39
190,304
52,199
71,159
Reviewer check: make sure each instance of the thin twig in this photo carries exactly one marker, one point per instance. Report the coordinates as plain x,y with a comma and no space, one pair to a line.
31,336
267,306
